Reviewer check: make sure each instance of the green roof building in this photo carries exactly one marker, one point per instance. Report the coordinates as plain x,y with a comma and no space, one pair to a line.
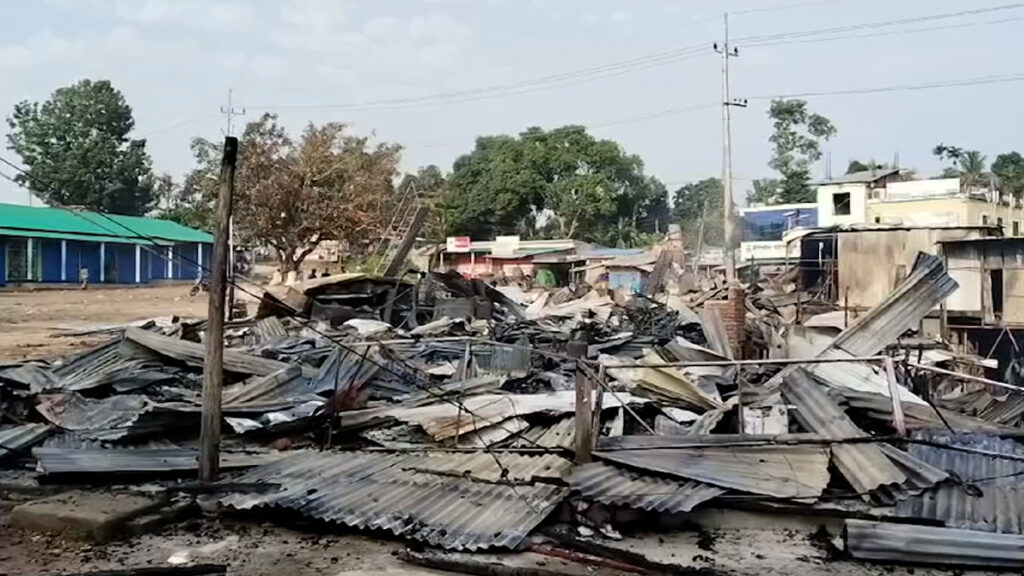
53,245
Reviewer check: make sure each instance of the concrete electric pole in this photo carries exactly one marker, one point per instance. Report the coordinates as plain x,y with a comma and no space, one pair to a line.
728,208
230,111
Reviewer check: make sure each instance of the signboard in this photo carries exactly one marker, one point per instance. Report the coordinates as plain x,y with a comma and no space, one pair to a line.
458,244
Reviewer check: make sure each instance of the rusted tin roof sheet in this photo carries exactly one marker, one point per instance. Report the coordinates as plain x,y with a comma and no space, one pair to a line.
461,501
613,485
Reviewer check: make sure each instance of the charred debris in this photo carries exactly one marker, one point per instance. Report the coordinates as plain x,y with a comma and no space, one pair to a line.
476,417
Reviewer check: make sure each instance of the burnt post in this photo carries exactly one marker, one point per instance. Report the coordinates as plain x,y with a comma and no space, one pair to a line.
584,404
213,360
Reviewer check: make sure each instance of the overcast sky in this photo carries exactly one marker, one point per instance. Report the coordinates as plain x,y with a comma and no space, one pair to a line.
651,83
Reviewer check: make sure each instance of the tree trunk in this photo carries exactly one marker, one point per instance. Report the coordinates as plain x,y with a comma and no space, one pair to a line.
286,261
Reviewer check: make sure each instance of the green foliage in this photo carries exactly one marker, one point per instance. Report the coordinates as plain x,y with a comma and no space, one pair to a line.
592,189
765,191
700,203
1008,168
193,202
968,165
796,137
77,150
858,166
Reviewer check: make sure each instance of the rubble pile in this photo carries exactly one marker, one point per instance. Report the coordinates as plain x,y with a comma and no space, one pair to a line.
445,410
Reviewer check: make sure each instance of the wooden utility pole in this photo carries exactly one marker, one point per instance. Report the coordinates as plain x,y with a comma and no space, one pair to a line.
584,404
213,361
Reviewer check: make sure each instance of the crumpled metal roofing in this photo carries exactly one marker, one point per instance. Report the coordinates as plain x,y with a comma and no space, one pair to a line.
914,544
613,485
784,471
18,438
865,466
925,287
98,460
277,391
1000,505
454,500
110,364
446,419
113,418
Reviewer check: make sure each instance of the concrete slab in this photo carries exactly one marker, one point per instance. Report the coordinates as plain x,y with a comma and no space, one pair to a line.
93,516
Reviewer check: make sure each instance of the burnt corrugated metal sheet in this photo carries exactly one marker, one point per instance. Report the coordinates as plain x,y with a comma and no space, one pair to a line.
19,438
113,418
97,460
613,485
278,391
461,501
799,471
925,287
913,544
193,353
997,505
558,434
109,365
864,466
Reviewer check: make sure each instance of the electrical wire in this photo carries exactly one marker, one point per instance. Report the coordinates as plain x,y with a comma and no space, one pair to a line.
889,33
977,81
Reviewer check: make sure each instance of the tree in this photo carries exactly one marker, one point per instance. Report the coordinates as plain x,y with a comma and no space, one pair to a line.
77,150
968,165
580,187
972,170
796,140
699,202
765,191
858,166
193,202
293,195
1008,169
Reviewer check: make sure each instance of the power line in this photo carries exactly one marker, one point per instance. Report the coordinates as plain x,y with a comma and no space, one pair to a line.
890,33
510,89
978,81
755,40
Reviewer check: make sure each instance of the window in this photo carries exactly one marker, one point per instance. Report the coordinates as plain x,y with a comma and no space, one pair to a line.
1016,227
999,221
24,260
878,219
984,219
841,204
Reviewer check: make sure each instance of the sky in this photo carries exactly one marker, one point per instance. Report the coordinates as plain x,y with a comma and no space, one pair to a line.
433,75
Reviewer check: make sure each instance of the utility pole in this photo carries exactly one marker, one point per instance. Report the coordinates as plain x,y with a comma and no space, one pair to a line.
731,237
213,360
230,111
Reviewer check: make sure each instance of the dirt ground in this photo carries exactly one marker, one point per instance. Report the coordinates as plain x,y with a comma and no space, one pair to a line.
31,322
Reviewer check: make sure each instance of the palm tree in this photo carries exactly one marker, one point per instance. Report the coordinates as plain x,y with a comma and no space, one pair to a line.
972,170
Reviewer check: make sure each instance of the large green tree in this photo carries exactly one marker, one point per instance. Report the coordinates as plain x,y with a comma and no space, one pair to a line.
77,149
698,209
1008,168
578,186
858,166
796,137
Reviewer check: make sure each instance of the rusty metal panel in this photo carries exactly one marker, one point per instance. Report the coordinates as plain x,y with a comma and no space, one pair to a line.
18,438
